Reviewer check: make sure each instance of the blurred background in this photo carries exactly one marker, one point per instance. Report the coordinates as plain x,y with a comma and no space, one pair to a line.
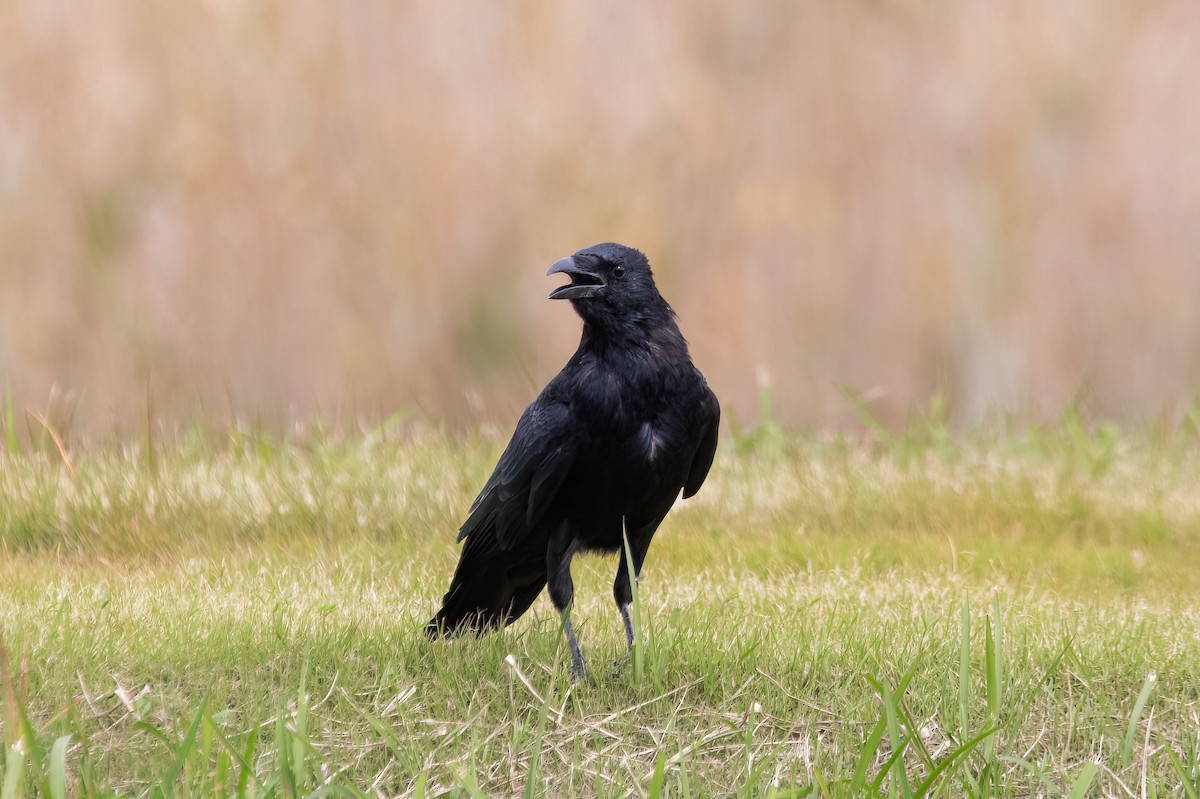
282,211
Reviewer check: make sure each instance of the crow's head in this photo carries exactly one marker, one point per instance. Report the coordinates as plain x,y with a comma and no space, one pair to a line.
609,281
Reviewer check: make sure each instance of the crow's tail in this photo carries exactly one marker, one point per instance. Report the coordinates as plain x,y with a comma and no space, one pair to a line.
483,596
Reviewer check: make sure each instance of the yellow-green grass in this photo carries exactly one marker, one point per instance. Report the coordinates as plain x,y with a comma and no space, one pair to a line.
242,617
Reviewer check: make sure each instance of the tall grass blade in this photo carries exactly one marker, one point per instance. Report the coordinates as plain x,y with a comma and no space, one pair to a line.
899,742
867,754
1184,780
964,669
10,428
1062,653
149,432
468,783
992,684
299,735
659,776
385,732
859,405
685,784
13,710
889,764
638,655
58,767
29,740
952,758
535,754
287,772
1033,770
1135,718
1083,781
997,671
155,732
244,790
14,772
182,751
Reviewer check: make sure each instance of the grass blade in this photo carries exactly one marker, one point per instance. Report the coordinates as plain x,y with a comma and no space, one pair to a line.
283,750
10,428
58,768
889,763
1188,788
14,771
685,785
150,729
419,788
638,655
1136,717
899,743
867,754
183,751
992,678
1032,770
535,755
468,783
660,771
243,786
858,404
952,758
1083,781
1062,653
996,665
964,669
389,738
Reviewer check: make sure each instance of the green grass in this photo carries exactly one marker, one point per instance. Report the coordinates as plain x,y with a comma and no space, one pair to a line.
1007,613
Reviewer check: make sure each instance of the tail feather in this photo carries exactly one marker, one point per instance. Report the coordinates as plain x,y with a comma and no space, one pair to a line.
484,595
460,614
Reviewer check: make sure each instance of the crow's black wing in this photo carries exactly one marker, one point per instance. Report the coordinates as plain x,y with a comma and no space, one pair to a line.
706,449
526,479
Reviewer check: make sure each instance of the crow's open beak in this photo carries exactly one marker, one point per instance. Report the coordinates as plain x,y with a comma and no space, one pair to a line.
584,281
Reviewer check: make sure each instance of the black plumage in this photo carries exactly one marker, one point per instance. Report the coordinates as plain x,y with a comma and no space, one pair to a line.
605,448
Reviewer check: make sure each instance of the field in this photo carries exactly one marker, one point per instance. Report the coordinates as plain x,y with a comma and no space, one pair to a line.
1005,612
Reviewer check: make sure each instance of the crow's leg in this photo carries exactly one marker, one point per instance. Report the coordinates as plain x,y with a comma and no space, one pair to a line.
578,663
639,543
628,619
559,550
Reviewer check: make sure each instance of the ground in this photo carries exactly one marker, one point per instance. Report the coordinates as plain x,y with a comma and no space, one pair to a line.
1005,613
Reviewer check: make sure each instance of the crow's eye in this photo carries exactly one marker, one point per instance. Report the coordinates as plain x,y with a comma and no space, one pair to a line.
618,270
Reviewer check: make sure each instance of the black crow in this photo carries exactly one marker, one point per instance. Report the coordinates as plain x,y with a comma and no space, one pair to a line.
602,452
